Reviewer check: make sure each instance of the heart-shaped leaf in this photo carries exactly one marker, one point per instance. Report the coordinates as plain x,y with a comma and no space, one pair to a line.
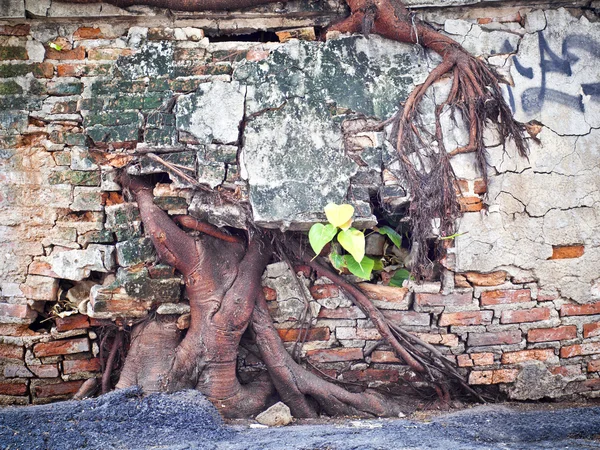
337,261
399,278
353,242
392,234
362,270
319,235
339,215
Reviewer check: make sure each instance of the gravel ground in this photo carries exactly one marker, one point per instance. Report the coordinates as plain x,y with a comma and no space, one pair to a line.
185,420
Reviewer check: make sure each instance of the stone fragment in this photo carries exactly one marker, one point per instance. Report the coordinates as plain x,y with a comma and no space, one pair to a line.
173,308
86,199
78,264
277,415
486,279
535,382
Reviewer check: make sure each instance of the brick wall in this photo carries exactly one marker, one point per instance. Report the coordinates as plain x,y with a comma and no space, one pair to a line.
78,101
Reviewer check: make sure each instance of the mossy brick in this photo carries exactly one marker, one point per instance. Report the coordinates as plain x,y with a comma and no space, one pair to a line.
97,237
125,102
69,107
39,70
170,203
8,53
112,118
91,104
158,85
158,119
139,285
62,158
187,85
10,88
121,215
37,88
233,173
161,34
228,55
75,177
65,88
75,139
13,123
124,133
101,87
57,137
158,271
129,232
195,70
155,101
21,103
135,251
181,159
43,70
161,136
222,153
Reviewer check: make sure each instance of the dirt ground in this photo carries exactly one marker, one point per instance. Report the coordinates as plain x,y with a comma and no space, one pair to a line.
129,420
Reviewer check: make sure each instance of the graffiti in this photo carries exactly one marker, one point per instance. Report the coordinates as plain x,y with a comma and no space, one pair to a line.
533,99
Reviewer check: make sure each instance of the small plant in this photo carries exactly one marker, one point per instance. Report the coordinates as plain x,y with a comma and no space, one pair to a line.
350,239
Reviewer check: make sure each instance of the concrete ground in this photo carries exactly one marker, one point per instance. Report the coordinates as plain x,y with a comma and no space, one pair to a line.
185,420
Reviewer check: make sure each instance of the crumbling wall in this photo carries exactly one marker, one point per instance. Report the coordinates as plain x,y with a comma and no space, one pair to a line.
280,127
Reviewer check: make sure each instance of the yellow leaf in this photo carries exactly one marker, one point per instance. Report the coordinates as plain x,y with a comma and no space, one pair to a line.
346,225
339,215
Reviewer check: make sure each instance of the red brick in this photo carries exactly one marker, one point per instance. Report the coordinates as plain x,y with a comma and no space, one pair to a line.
567,371
466,318
15,30
587,348
479,186
304,269
383,356
76,53
505,297
41,268
538,354
486,279
567,251
15,329
74,322
525,315
321,291
16,311
13,388
64,347
580,310
591,329
314,334
449,340
335,354
443,300
270,294
353,312
594,366
552,334
462,185
482,359
408,318
81,365
493,376
382,293
44,370
470,204
494,338
11,351
51,390
464,361
87,33
385,375
100,322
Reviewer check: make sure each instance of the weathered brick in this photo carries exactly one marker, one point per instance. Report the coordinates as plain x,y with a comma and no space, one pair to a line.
382,293
466,318
567,251
494,338
408,318
108,53
81,365
21,29
493,376
321,291
449,340
594,366
587,348
505,297
580,310
16,311
11,351
486,279
464,361
370,334
384,356
453,299
353,312
52,390
16,371
313,334
14,329
552,334
482,359
566,371
470,204
13,388
45,370
37,287
83,70
75,177
76,321
591,329
65,88
479,186
63,55
525,315
367,375
335,354
63,347
87,33
538,354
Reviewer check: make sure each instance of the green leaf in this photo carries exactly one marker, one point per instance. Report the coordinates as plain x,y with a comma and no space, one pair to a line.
452,236
362,270
353,242
319,235
377,264
400,277
392,234
339,215
54,46
337,261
